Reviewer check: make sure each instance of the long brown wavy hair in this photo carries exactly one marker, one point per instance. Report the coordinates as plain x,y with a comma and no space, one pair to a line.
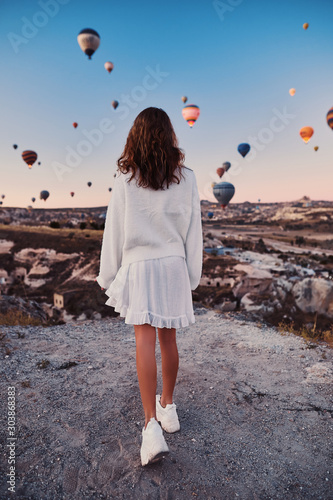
152,151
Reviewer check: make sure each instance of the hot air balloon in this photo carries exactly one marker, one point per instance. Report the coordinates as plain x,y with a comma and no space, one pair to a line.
316,148
305,26
306,133
191,113
33,200
89,41
44,195
108,66
15,146
72,194
223,192
75,124
213,184
1,202
243,149
29,157
89,184
110,189
115,104
210,214
329,118
220,171
3,196
292,92
226,165
184,99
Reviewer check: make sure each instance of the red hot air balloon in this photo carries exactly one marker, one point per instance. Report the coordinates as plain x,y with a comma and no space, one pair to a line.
72,194
220,171
75,124
191,113
29,157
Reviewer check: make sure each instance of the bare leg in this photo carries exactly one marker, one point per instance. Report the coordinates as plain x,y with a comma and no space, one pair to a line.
170,363
145,337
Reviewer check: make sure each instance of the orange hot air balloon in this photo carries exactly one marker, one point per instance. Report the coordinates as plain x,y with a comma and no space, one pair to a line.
74,124
316,148
306,133
220,171
292,92
191,113
305,26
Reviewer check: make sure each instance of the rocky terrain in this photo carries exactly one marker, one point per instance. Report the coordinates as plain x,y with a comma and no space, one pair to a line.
255,409
272,262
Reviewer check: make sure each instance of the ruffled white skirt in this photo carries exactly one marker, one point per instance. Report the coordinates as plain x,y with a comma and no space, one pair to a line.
154,291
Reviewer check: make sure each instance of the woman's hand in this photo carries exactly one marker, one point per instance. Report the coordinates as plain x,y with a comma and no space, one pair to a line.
101,287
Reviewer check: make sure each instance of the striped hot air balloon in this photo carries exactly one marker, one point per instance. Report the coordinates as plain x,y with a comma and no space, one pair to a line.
329,118
191,113
29,157
226,165
89,41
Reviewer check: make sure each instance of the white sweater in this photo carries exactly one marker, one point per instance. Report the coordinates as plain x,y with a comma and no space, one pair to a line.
142,224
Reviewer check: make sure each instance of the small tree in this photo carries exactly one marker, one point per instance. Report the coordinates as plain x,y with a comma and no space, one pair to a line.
54,224
83,225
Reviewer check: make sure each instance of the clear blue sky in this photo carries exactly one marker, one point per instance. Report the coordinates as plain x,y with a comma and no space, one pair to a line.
237,62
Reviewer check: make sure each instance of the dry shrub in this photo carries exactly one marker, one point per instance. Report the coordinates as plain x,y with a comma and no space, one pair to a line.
15,317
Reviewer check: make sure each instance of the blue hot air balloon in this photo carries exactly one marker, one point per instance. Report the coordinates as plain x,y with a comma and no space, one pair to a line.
243,149
210,214
223,192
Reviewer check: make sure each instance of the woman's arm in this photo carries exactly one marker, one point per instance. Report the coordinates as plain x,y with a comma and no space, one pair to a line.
194,243
113,237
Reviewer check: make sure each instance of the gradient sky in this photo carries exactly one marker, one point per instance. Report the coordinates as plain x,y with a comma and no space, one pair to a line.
237,62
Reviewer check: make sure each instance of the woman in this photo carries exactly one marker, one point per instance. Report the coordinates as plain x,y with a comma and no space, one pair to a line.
151,259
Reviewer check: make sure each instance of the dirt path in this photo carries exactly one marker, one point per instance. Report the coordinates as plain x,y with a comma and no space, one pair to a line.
255,409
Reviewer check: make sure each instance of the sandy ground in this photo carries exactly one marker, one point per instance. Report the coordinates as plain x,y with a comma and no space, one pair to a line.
255,409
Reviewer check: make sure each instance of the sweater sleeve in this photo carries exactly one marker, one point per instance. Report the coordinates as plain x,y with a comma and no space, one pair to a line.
194,243
113,237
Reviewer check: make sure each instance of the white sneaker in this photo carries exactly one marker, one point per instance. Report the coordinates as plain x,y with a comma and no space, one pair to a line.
167,416
153,446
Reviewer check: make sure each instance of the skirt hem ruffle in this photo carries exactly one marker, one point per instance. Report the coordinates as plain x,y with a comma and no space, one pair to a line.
141,318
